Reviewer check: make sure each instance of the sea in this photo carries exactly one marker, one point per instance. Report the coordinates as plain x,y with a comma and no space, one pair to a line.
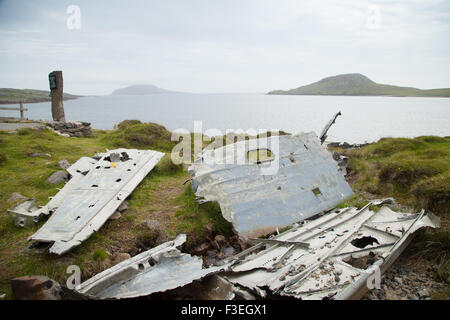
363,119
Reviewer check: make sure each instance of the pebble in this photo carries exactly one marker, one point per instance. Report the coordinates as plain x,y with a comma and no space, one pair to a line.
402,283
424,293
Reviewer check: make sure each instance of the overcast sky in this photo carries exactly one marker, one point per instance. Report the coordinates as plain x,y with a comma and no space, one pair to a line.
212,46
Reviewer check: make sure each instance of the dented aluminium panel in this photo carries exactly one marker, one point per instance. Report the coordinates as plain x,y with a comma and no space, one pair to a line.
156,270
94,195
300,180
27,214
344,249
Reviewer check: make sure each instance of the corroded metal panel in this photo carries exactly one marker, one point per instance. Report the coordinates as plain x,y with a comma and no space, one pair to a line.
88,204
329,267
156,270
306,182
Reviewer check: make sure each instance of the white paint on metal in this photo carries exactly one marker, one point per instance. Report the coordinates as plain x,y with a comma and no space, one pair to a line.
323,270
91,199
156,270
307,182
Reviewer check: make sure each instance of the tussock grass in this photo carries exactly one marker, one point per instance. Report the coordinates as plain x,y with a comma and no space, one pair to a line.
415,171
197,220
135,134
160,196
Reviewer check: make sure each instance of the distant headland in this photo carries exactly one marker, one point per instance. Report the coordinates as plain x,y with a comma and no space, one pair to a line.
355,84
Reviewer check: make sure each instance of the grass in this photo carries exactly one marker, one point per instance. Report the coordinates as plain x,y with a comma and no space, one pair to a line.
356,200
100,254
161,196
416,172
198,221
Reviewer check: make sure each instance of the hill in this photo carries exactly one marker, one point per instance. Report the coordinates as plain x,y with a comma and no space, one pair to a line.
141,90
11,96
355,84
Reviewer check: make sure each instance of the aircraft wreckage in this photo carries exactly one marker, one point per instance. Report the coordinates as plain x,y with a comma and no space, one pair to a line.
87,201
336,256
326,253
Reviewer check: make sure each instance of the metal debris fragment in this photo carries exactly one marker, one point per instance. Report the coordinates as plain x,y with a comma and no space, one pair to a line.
323,134
156,270
324,270
306,183
23,214
96,190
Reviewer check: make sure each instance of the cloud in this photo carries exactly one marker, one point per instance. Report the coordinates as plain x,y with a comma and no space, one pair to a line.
223,46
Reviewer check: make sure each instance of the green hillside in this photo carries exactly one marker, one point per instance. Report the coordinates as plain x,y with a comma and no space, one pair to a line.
11,96
355,84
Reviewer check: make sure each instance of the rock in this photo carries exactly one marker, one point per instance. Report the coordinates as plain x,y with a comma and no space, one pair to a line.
337,279
39,154
220,239
202,248
35,288
122,256
228,251
57,177
2,296
15,197
423,293
398,280
412,297
64,164
115,216
123,206
390,295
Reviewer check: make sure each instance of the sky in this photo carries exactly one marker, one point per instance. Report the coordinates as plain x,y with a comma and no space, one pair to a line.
222,46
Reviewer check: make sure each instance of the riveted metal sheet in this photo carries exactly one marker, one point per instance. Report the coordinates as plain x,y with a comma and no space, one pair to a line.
326,269
156,270
87,205
306,182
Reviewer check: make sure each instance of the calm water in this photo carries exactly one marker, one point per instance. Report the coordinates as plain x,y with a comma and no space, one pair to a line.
363,118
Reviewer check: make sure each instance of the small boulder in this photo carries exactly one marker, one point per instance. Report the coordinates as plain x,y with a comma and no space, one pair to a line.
228,251
123,206
220,239
115,216
57,177
35,288
16,197
64,164
38,154
202,248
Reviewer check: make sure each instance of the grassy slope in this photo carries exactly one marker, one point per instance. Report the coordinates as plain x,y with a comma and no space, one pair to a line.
416,172
10,96
161,196
359,85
